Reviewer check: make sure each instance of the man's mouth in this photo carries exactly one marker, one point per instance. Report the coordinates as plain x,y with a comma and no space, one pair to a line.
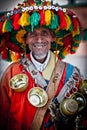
39,45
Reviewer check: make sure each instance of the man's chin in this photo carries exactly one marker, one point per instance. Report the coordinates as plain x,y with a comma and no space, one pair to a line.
39,57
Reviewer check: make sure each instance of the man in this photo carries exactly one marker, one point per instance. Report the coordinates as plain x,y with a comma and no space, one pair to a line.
48,82
15,109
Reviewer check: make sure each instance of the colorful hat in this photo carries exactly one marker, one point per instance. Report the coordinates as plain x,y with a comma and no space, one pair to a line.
37,13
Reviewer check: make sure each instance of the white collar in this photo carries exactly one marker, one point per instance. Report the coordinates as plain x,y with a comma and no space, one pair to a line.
38,65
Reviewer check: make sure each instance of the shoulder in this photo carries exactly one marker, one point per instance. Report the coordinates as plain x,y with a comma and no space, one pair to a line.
11,70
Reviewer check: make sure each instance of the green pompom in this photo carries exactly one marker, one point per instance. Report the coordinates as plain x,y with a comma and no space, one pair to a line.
34,19
54,22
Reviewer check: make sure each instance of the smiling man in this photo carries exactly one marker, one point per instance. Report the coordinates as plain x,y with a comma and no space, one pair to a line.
45,82
39,42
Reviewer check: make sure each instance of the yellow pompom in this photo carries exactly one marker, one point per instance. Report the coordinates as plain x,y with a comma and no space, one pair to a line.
68,20
14,56
20,36
65,52
59,41
47,17
76,32
24,19
4,27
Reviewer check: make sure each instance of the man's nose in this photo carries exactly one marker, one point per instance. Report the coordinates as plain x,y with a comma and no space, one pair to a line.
39,38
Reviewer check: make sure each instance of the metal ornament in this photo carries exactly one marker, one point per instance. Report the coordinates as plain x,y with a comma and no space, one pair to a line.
19,82
37,97
80,99
68,107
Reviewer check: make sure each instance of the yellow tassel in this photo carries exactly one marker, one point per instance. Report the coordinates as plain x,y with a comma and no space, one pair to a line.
65,52
76,32
74,48
4,27
68,20
58,41
23,21
20,35
47,17
14,56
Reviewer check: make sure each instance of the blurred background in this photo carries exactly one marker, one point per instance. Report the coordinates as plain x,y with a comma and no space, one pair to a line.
80,8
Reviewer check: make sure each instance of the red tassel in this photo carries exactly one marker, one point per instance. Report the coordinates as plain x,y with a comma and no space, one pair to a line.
75,23
5,54
13,47
62,20
30,2
1,24
68,40
15,24
42,17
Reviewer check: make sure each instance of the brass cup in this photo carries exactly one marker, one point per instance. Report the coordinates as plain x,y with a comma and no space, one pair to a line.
80,99
68,107
37,97
19,82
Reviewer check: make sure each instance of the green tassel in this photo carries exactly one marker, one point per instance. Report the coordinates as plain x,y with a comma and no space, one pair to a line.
9,26
34,18
78,37
54,22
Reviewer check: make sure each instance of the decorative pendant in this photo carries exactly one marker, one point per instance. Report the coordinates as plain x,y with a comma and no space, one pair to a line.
37,97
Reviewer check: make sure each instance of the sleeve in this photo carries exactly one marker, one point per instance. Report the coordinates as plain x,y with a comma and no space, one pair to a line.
6,94
4,101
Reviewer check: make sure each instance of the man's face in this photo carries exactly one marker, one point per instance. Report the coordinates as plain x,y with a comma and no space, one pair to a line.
39,42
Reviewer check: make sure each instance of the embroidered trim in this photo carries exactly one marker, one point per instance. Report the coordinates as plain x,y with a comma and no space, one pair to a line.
71,84
29,66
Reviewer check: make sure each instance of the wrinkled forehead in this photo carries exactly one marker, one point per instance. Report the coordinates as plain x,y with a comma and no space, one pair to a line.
41,29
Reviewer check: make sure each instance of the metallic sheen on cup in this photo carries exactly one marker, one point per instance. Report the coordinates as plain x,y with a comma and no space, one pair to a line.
68,107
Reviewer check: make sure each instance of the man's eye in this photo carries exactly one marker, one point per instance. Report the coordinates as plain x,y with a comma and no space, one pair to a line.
32,34
44,33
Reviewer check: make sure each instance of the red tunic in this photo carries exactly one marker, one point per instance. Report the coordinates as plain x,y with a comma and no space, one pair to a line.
16,113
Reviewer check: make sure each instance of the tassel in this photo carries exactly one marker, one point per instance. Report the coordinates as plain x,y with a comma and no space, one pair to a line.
5,53
59,41
42,17
15,24
20,36
68,21
63,23
24,19
68,40
75,23
54,21
1,25
34,19
13,47
8,26
47,17
15,56
4,27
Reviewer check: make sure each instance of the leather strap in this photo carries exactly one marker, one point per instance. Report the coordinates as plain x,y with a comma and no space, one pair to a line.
51,90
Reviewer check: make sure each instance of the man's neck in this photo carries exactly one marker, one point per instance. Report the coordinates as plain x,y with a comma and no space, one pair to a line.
42,60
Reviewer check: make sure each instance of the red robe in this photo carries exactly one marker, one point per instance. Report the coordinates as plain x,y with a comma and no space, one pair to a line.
16,113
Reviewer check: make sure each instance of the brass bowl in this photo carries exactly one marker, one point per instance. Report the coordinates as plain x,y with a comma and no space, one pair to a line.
37,97
19,82
68,107
80,99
